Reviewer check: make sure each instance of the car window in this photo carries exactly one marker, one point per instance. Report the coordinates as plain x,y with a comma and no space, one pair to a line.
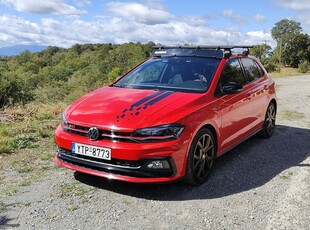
232,73
261,71
150,73
251,69
172,73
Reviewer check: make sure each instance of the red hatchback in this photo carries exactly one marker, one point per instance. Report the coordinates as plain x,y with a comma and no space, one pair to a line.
169,117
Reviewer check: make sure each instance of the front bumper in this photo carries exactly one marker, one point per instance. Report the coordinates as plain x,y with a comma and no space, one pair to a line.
119,167
129,161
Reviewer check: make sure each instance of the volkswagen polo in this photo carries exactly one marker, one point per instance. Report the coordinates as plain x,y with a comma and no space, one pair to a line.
169,117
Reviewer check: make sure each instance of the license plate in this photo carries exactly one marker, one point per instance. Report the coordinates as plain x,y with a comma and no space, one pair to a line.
91,151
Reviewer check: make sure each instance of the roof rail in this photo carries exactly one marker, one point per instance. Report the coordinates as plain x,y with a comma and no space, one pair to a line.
206,51
204,47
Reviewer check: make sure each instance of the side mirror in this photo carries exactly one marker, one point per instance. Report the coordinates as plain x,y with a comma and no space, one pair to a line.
232,87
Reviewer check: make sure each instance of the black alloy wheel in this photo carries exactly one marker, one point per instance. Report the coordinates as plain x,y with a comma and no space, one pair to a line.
200,158
270,121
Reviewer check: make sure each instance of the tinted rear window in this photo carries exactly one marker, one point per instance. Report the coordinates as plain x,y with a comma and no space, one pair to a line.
251,70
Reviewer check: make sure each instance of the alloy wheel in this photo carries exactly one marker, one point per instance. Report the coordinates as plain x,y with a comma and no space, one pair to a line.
270,119
203,156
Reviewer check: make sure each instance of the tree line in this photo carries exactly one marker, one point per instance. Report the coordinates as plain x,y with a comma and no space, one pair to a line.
58,74
292,49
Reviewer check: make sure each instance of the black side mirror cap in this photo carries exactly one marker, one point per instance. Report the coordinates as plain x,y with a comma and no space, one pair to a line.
232,87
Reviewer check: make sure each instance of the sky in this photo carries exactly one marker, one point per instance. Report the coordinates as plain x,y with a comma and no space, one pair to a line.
170,22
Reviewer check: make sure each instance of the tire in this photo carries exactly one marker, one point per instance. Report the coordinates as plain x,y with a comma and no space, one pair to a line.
269,122
200,158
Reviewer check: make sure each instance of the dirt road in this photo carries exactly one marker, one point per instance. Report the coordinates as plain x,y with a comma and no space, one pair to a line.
261,184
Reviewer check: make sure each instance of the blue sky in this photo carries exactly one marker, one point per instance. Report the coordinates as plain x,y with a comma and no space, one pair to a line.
67,22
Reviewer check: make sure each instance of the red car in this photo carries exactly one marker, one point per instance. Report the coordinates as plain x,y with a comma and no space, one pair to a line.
169,117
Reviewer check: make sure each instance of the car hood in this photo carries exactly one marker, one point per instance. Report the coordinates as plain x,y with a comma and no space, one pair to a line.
128,109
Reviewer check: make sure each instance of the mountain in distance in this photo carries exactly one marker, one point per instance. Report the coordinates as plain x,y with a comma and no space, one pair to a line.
15,50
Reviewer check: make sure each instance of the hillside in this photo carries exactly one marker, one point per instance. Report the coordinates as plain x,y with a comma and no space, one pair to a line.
57,74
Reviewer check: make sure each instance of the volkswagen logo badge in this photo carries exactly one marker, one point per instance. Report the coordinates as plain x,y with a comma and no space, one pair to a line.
93,133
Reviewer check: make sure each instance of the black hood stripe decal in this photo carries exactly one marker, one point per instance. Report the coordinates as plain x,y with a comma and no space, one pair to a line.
157,99
135,109
147,98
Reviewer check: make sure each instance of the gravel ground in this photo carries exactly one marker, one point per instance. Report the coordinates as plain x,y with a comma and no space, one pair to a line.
261,184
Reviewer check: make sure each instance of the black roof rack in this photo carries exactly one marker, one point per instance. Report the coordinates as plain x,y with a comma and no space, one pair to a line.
204,47
202,51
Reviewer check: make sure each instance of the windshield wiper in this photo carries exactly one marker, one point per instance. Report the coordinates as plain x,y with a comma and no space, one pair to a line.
119,86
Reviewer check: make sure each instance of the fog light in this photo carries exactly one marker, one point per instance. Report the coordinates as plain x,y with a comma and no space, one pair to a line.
158,164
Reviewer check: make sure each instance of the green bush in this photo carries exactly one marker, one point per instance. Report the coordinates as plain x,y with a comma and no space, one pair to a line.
23,141
303,67
272,67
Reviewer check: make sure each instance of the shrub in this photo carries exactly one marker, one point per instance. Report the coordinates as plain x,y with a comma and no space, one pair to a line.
272,67
23,141
303,67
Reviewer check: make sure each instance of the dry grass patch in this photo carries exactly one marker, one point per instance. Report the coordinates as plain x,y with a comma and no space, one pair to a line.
292,115
286,72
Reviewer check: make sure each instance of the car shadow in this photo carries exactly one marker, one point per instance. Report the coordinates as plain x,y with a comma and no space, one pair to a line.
248,166
4,222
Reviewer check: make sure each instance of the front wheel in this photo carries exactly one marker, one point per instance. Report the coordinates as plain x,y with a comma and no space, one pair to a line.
200,157
269,122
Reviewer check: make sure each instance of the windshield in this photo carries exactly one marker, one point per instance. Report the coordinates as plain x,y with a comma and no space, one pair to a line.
192,74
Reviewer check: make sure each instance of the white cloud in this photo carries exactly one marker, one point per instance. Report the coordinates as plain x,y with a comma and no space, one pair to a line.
137,12
155,4
259,37
259,18
66,32
234,17
16,30
81,3
43,7
294,4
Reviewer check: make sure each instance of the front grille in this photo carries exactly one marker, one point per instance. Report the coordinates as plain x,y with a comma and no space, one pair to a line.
103,134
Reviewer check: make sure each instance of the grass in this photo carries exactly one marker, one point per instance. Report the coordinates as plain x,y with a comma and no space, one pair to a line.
2,207
10,191
67,190
21,127
286,72
47,156
287,176
25,183
292,115
72,207
23,141
24,169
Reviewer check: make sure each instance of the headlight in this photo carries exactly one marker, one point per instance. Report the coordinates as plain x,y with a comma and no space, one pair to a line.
64,123
158,133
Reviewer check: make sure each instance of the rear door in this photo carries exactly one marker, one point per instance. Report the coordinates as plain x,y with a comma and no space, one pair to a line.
256,82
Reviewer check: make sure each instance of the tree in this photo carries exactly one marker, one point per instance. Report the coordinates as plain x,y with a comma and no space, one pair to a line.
284,32
298,50
261,51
